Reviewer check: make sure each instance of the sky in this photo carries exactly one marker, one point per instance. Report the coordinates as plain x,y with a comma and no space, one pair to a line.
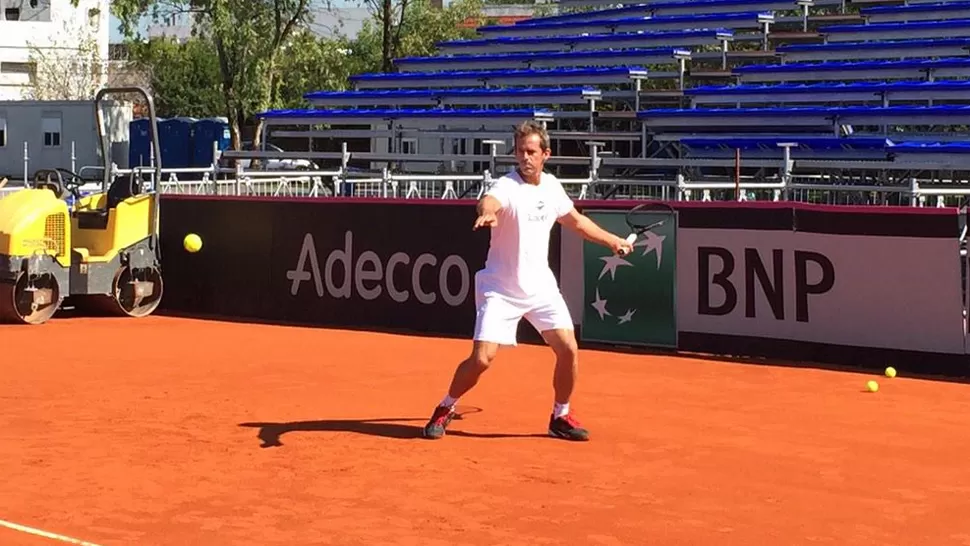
114,36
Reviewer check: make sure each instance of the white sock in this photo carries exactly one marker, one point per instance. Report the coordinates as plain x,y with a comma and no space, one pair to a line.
559,410
448,402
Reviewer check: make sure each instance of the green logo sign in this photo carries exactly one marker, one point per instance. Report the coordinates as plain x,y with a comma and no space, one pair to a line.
631,299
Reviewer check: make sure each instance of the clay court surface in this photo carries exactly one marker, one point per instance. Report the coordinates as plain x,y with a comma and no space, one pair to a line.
172,431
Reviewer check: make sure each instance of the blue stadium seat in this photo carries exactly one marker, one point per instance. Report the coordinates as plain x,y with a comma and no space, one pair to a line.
919,147
544,60
556,76
744,20
800,147
671,9
456,96
956,28
936,154
920,12
588,42
910,69
881,92
359,116
857,51
831,116
813,143
689,7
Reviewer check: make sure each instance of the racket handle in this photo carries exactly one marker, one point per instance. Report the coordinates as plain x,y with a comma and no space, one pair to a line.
631,238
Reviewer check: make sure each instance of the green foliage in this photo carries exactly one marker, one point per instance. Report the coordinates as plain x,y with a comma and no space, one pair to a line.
415,33
248,36
255,55
312,63
185,78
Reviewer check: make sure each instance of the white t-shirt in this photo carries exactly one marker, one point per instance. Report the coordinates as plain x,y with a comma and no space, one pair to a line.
517,265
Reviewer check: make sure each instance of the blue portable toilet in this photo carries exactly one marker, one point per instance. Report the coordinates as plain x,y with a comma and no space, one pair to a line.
139,143
204,133
175,140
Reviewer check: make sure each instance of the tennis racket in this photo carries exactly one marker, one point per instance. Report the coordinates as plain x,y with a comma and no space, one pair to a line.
638,227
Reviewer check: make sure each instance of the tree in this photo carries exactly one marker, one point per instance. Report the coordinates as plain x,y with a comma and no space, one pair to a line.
411,28
68,68
185,77
313,63
249,37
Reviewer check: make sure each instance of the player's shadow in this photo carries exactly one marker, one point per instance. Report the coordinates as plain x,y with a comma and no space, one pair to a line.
396,427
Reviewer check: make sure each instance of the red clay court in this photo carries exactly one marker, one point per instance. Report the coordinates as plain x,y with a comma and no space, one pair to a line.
173,431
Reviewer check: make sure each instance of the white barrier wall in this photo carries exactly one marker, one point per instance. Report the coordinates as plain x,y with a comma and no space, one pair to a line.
885,292
758,275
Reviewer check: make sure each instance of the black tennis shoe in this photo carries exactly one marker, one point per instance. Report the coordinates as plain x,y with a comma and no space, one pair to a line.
439,421
567,427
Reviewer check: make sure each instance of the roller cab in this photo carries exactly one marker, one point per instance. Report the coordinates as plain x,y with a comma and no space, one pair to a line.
115,263
100,255
35,256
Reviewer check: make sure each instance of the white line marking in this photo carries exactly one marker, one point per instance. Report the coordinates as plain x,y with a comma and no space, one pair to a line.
38,532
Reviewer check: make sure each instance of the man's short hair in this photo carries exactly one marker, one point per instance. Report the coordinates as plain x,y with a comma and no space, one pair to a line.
532,127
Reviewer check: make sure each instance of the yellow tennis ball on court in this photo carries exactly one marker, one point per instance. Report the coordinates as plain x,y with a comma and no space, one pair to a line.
192,242
890,372
872,386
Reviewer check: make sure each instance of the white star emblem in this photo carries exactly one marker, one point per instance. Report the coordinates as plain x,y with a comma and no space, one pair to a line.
652,243
611,264
627,317
600,305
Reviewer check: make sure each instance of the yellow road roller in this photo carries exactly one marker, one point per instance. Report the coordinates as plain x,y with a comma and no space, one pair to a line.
100,253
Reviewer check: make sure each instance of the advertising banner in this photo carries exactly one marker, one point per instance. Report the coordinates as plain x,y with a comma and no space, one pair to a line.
889,292
374,264
722,277
391,265
631,299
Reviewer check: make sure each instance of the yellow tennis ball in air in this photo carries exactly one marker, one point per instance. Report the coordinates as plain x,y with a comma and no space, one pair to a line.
192,242
890,372
872,386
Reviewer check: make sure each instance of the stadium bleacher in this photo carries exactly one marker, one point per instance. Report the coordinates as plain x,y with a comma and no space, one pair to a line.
354,116
867,51
713,119
589,42
528,77
456,96
879,93
919,12
652,86
861,149
556,59
908,69
743,20
956,28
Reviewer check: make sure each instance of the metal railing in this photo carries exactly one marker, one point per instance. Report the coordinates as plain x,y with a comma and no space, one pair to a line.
679,179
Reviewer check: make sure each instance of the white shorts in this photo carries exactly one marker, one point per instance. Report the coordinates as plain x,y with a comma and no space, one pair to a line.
497,317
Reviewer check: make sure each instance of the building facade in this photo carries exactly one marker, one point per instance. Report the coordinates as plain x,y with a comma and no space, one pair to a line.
49,32
60,134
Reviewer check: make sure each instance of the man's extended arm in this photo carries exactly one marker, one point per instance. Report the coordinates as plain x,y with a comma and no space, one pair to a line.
488,205
592,232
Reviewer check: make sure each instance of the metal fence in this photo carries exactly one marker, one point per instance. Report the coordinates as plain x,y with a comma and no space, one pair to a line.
323,184
911,187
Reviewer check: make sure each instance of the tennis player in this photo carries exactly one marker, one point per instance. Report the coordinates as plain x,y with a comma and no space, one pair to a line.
521,209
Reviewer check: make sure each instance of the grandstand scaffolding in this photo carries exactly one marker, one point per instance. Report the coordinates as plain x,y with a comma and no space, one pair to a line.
821,100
